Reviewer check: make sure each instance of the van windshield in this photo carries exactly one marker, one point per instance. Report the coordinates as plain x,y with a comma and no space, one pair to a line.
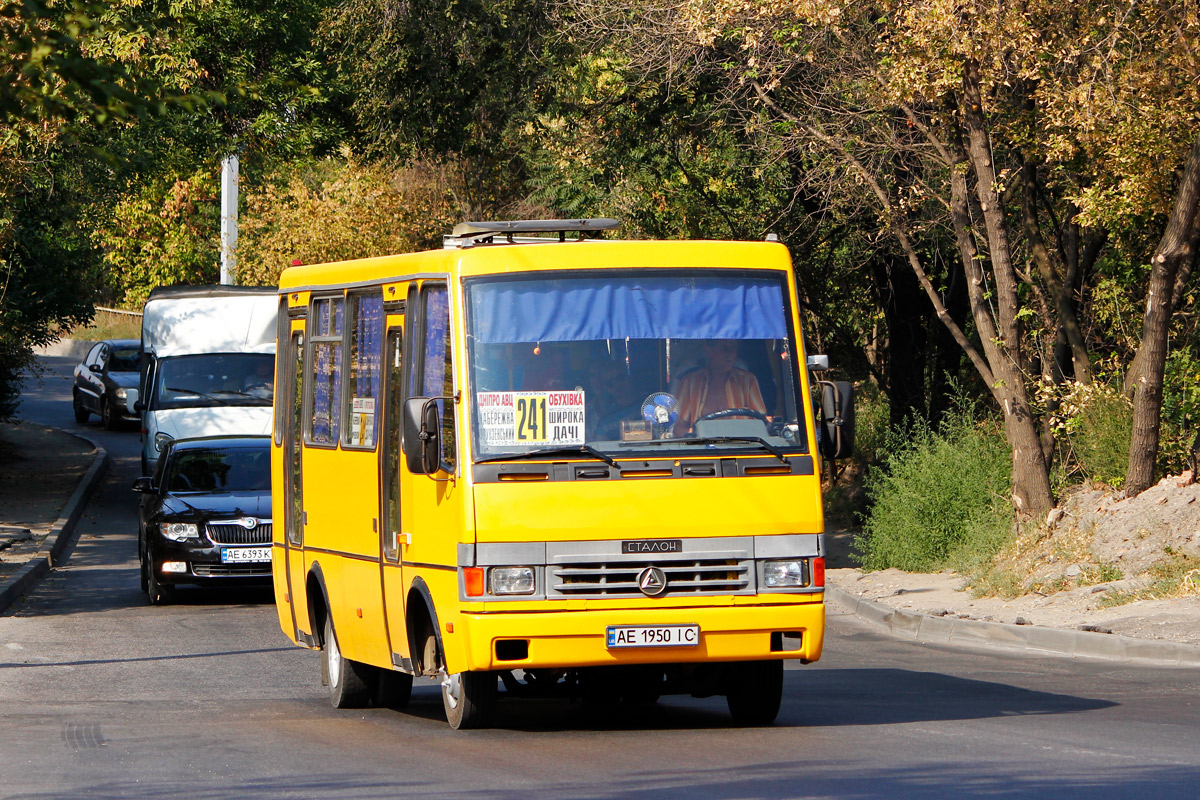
214,379
663,362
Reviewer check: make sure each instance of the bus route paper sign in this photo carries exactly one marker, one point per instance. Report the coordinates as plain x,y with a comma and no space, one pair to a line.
549,419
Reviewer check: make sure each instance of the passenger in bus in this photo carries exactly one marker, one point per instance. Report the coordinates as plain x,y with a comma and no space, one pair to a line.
717,386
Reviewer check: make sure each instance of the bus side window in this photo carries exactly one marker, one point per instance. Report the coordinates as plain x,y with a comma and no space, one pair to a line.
437,377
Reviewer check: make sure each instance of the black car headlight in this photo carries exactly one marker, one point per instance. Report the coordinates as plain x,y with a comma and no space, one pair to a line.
179,531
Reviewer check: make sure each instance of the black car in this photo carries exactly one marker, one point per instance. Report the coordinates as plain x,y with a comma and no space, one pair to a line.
205,515
104,379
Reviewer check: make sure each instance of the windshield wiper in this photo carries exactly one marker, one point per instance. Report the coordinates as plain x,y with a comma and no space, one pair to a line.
772,449
194,393
581,450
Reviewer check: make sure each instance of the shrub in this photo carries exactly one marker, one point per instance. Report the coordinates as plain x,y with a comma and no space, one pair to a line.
1097,425
940,497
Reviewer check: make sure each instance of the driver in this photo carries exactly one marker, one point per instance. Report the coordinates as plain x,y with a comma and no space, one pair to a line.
717,386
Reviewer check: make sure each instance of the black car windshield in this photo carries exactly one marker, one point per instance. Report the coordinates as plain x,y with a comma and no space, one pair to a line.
617,362
240,469
124,359
220,379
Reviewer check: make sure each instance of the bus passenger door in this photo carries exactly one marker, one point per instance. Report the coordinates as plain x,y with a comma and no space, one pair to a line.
293,450
391,532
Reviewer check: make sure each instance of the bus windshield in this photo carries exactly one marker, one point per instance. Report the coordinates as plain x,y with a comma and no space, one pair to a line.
663,362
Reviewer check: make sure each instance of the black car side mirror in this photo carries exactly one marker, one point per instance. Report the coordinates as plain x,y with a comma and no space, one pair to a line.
143,485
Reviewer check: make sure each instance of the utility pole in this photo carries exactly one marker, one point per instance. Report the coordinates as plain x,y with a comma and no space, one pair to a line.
229,217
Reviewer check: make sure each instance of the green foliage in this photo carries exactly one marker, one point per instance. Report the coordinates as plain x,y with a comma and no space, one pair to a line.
1177,576
162,236
1180,409
337,209
1097,428
939,497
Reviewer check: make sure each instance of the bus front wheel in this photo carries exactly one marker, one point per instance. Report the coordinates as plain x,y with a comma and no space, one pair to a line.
755,692
469,698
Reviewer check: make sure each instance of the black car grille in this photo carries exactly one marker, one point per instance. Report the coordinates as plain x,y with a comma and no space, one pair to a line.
236,534
231,570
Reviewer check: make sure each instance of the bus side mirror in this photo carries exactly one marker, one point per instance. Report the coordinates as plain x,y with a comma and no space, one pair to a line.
837,419
131,401
422,436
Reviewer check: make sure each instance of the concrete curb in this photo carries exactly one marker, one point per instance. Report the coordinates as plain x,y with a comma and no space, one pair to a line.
61,532
925,628
73,348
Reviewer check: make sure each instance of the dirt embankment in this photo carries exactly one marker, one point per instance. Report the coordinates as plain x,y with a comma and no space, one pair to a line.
1129,566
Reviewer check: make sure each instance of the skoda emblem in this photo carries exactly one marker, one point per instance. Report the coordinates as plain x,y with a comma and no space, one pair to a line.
249,523
652,581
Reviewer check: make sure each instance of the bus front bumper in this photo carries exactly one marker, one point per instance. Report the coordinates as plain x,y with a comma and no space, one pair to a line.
569,639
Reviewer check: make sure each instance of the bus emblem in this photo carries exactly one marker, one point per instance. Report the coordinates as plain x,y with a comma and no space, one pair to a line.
652,581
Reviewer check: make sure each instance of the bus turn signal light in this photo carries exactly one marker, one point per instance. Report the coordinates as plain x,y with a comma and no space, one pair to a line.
473,581
818,572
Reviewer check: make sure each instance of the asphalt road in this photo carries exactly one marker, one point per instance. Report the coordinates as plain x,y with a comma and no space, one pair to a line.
102,696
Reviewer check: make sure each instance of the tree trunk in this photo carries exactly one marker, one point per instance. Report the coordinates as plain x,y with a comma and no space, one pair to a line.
1032,495
1177,247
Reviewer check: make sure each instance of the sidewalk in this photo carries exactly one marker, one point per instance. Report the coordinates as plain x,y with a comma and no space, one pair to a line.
935,607
46,477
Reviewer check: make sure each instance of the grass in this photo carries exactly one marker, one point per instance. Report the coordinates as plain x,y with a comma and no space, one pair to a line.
1033,561
1170,580
107,325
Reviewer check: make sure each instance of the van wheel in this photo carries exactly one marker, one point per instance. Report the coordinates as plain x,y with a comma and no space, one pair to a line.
349,681
469,698
755,691
81,413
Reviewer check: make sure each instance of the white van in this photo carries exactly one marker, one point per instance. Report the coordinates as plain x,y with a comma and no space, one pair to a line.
208,361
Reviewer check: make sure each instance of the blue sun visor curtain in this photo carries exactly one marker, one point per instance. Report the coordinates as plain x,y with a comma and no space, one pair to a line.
619,307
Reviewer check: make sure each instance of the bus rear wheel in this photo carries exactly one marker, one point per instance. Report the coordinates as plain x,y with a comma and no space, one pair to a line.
468,698
755,691
349,681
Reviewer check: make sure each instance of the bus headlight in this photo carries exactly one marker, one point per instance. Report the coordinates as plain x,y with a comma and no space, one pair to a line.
161,440
510,580
179,531
785,573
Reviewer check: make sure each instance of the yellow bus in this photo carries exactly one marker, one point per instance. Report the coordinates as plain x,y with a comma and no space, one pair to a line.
540,462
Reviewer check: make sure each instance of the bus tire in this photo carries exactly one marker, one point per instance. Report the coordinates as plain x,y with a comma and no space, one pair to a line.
755,692
393,689
469,698
349,681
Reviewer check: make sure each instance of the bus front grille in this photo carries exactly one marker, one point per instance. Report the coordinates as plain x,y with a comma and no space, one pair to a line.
621,578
